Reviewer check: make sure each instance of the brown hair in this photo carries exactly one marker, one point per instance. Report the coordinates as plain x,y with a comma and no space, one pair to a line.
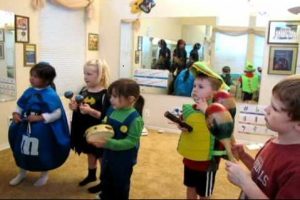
288,92
214,82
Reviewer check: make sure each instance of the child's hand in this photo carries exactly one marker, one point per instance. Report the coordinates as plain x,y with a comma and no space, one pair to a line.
35,118
201,104
16,117
85,108
73,105
100,142
238,150
236,174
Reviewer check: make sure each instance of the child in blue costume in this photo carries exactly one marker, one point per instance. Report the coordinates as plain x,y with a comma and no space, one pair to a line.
39,134
89,113
120,152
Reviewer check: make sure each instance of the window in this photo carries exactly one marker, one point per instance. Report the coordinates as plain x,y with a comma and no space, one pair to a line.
62,44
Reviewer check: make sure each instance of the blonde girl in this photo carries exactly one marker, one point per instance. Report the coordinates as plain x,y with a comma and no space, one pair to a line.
88,113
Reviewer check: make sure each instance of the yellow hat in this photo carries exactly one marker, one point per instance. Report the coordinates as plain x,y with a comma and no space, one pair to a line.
201,67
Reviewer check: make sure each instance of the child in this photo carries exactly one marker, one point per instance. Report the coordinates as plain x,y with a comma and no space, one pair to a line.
226,75
91,112
200,165
120,152
39,134
275,171
249,82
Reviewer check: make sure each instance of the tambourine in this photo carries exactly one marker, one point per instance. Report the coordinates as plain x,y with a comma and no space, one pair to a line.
98,132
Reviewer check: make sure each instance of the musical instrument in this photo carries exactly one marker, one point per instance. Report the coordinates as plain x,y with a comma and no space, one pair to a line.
79,99
69,94
98,132
220,124
175,119
223,97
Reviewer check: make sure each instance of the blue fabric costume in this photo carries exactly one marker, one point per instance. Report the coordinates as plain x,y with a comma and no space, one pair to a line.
117,166
184,83
38,146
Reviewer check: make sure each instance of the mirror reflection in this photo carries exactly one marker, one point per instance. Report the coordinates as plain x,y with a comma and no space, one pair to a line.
165,48
7,57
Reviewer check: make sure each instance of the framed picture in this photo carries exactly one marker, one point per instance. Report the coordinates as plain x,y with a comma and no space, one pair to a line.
137,55
2,51
2,35
21,29
283,60
284,32
29,55
93,41
140,43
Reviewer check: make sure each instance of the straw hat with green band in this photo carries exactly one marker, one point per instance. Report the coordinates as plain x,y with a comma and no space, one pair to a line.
201,67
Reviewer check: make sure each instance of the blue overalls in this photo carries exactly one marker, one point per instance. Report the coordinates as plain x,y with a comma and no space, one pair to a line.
117,166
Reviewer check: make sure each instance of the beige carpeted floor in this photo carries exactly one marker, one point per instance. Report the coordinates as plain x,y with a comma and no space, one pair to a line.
158,174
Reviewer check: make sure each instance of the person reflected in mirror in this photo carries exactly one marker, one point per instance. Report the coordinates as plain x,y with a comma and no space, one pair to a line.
249,82
194,54
164,56
179,57
226,76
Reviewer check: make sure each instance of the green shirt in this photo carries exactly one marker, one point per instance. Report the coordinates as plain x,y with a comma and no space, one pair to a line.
133,134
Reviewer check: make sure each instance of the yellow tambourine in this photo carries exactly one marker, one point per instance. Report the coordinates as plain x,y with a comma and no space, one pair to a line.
97,132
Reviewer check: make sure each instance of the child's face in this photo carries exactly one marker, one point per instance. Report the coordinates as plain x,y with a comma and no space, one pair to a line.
91,76
36,81
202,89
118,102
277,118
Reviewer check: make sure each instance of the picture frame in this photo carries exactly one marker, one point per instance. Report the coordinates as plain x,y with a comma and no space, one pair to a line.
2,51
283,60
2,35
284,32
29,54
21,29
137,55
93,42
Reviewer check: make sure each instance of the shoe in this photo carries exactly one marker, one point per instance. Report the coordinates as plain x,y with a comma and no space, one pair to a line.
95,189
87,180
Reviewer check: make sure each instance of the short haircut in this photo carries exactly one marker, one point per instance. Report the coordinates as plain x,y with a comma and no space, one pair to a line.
214,82
44,71
288,92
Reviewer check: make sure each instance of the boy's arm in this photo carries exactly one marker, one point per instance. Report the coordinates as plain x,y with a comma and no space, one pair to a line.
247,160
133,135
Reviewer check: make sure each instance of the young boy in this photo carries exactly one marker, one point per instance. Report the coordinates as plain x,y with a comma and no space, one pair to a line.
196,147
275,172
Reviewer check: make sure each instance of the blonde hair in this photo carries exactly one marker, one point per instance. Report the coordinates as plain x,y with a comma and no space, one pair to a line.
102,69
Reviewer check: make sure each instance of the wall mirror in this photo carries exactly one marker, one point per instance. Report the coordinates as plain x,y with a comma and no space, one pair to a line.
7,57
224,42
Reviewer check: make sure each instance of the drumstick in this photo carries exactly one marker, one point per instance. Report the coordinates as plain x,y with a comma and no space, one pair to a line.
79,99
220,124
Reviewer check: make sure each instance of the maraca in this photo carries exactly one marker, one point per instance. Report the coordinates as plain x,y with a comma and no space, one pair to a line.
220,124
69,94
79,99
223,97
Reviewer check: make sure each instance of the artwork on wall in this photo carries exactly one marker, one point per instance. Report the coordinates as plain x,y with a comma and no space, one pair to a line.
93,41
137,57
283,60
2,35
29,55
21,29
2,51
284,32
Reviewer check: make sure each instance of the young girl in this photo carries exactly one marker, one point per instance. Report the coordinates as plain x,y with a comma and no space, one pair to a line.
120,152
89,113
39,134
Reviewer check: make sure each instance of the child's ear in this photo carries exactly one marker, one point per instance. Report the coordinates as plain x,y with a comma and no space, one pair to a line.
131,99
297,126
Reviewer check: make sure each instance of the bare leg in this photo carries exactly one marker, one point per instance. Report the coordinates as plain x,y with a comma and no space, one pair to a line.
191,193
